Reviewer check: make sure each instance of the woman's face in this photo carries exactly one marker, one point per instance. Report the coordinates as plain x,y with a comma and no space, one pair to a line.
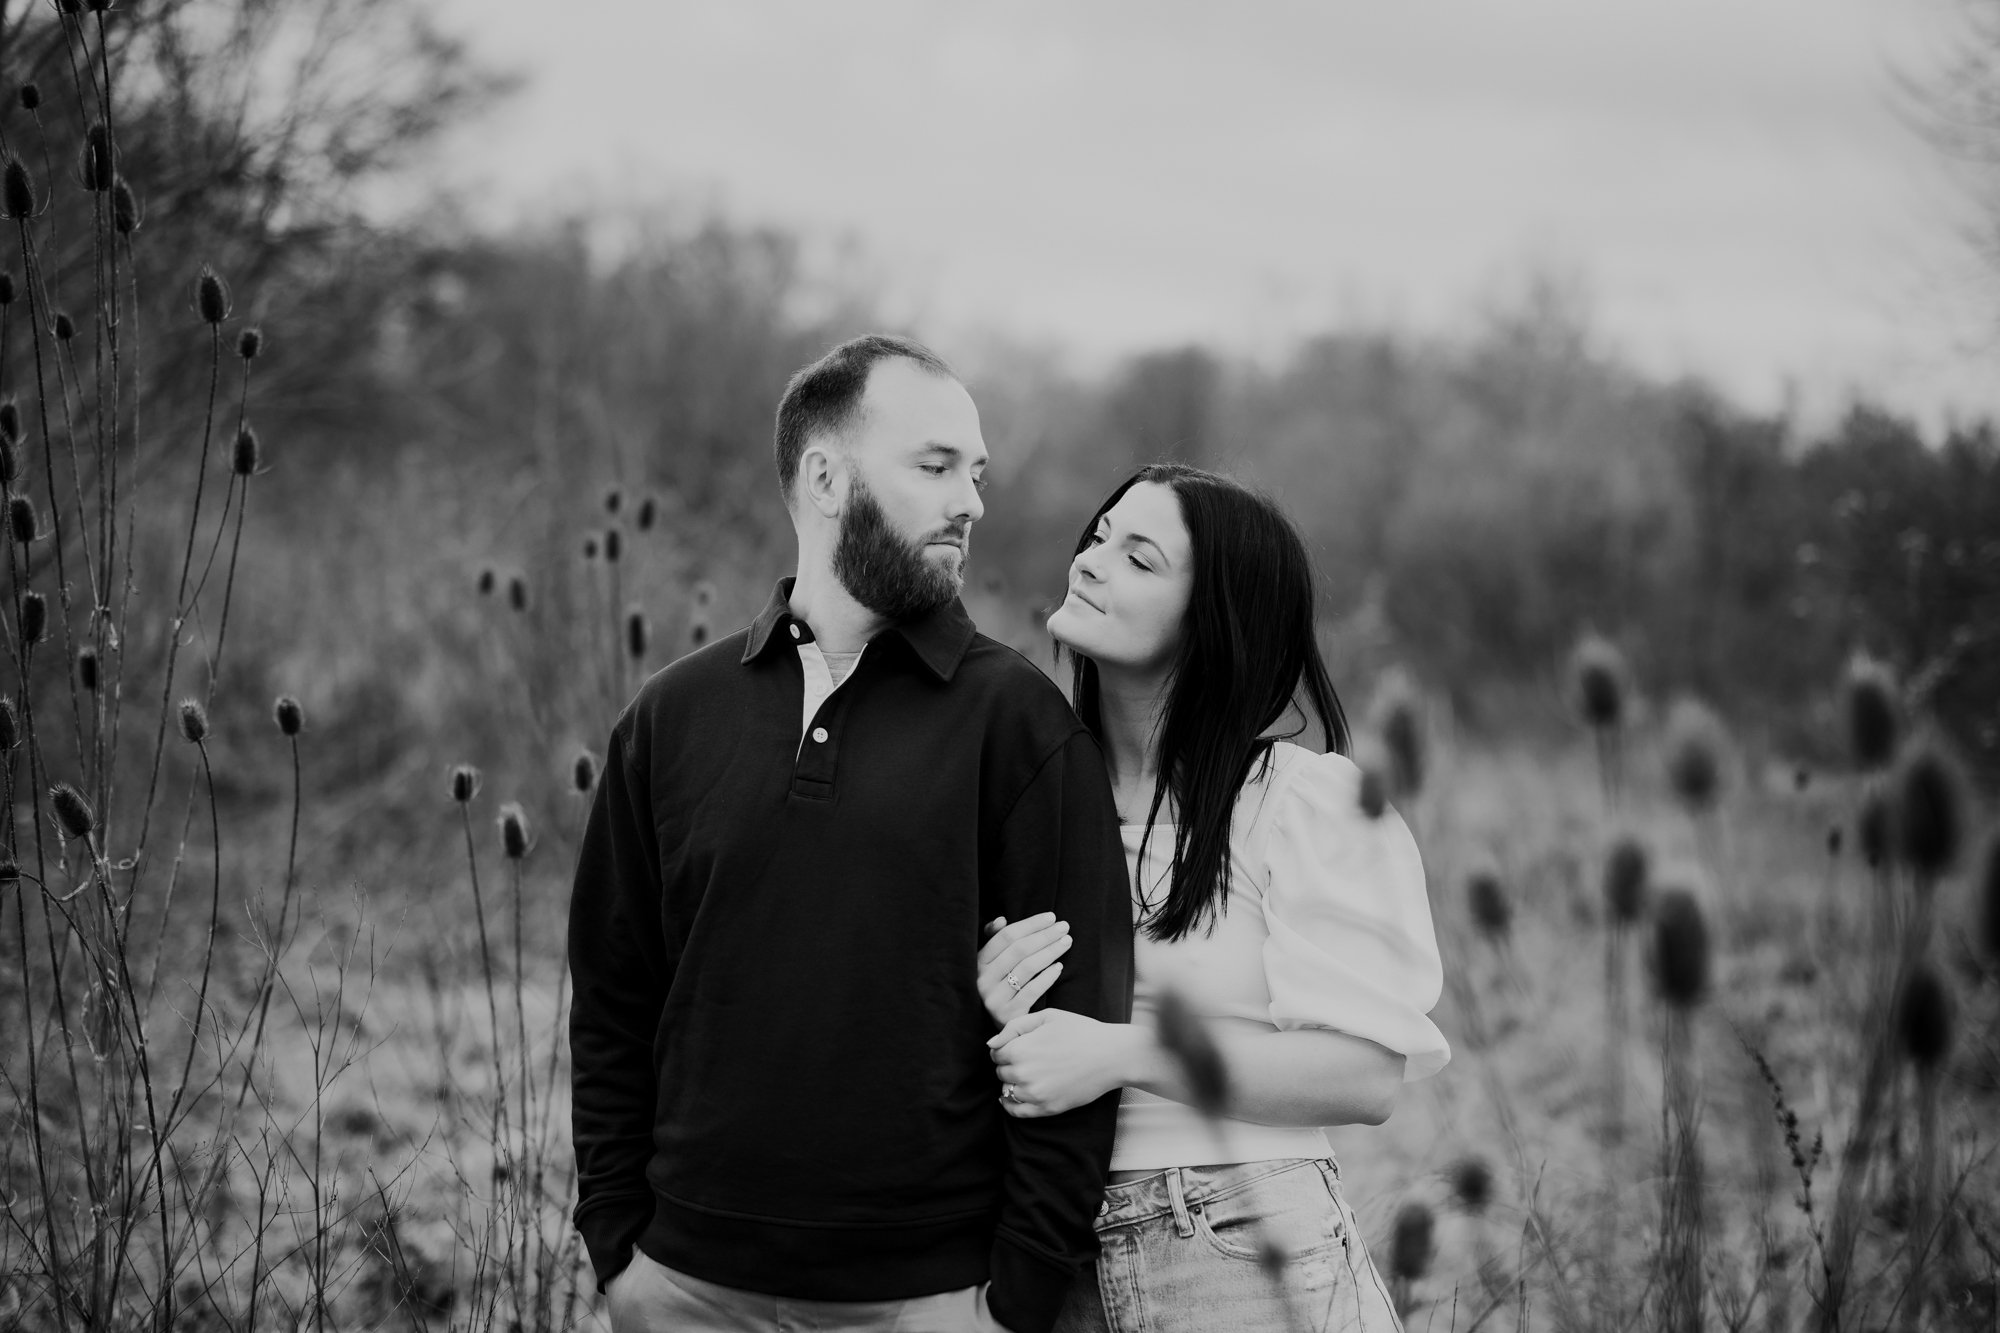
1128,588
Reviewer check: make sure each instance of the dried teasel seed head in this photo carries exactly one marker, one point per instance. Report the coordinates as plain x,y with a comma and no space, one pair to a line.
1801,778
1185,1037
86,668
614,499
613,545
513,831
488,580
583,771
648,509
22,522
249,343
1870,701
17,190
10,724
63,326
1694,755
211,296
10,461
590,547
1836,838
10,870
1403,739
698,633
635,633
96,166
10,420
1487,897
1472,1183
1412,1244
243,459
704,594
1372,794
126,214
31,96
1626,871
72,812
1924,1017
1680,949
464,783
517,593
1930,817
194,721
34,617
290,717
1597,682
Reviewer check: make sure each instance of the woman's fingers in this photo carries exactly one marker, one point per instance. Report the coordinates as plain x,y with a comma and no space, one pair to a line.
1039,986
1041,958
1012,941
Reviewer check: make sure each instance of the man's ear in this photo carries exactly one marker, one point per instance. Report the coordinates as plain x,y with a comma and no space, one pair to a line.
824,470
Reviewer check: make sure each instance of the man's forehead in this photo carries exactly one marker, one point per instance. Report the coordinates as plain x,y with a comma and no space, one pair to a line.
920,408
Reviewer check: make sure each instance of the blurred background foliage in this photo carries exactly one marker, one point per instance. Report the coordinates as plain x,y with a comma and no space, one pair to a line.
438,402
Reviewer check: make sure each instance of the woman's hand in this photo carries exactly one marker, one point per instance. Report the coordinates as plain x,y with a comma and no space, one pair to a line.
1026,952
1054,1060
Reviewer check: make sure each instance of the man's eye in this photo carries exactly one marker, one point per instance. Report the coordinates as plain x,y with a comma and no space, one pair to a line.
979,483
935,469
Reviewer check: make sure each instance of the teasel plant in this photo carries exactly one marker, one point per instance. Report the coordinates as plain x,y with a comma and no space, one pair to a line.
1682,967
1627,878
1922,830
1185,1036
1599,687
1925,1014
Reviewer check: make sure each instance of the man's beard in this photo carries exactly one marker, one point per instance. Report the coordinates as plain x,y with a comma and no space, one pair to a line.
887,573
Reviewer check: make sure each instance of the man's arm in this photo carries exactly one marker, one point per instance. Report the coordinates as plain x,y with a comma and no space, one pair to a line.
1060,851
619,967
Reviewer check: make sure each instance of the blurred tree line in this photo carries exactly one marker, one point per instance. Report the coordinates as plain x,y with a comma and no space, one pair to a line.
447,410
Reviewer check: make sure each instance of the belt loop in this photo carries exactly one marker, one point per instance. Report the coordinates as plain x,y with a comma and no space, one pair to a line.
1177,1196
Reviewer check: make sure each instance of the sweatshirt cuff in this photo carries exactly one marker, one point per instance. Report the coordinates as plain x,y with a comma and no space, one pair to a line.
1027,1290
610,1230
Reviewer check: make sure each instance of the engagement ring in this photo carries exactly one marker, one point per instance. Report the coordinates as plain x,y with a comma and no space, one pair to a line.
1009,979
1007,1093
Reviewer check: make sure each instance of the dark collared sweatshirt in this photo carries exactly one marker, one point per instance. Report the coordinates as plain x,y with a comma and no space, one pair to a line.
781,1081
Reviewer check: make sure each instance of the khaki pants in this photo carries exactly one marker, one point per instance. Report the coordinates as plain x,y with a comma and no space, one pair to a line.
649,1297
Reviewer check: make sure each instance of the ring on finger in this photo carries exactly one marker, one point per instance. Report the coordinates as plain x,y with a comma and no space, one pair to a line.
1015,982
1007,1093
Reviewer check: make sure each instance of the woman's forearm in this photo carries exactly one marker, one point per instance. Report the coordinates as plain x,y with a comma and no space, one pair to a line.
1306,1077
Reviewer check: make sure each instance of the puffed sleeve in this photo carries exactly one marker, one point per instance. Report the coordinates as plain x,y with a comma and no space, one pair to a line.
1351,945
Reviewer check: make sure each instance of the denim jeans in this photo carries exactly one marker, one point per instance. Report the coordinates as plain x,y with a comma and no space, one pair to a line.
1255,1246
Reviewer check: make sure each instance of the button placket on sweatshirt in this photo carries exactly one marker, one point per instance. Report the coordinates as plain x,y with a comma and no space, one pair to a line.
819,750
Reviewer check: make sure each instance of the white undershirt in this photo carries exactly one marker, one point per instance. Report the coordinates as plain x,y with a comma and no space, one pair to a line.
825,672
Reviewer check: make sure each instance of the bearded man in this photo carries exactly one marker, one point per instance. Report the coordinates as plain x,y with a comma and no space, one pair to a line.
785,1114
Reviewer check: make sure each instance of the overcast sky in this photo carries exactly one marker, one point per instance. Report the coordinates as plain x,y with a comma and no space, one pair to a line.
1729,181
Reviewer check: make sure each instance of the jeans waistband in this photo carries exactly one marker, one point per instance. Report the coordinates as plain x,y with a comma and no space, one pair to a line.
1176,1189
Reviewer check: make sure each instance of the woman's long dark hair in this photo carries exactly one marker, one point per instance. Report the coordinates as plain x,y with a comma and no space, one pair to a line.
1247,650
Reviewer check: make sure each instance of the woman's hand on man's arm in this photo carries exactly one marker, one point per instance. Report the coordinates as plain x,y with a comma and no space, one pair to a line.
1019,962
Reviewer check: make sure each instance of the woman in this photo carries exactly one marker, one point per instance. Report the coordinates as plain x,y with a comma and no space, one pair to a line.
1264,895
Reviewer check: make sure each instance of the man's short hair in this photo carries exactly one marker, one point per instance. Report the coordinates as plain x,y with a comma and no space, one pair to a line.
825,397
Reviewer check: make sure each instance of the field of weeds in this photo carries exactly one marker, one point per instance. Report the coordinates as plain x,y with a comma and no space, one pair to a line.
272,1058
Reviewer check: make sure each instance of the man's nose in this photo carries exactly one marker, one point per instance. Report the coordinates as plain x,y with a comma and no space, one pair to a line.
968,508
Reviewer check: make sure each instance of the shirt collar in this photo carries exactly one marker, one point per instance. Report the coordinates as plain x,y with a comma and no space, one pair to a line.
939,638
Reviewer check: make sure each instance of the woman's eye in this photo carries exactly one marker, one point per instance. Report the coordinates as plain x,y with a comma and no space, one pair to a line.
1137,563
1094,539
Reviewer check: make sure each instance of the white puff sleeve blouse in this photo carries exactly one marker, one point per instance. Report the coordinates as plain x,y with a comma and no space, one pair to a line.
1350,945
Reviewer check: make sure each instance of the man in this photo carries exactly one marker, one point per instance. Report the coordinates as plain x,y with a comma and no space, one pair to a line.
785,1113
